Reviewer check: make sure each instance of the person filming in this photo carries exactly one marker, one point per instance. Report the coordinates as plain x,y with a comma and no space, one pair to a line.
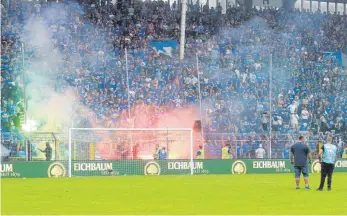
47,151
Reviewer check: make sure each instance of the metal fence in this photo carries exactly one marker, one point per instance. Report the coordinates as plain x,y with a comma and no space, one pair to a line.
276,147
26,146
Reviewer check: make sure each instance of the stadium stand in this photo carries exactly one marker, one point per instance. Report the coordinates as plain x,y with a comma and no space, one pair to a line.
309,95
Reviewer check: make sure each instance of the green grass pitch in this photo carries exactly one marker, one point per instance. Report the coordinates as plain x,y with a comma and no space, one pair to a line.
214,194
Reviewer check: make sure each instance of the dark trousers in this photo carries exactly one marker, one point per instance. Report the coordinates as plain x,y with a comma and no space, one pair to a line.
264,126
327,170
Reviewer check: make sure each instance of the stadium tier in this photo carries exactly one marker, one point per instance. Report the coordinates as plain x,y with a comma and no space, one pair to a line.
173,107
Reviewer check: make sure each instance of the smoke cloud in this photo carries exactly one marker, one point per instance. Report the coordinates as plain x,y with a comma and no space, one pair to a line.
51,101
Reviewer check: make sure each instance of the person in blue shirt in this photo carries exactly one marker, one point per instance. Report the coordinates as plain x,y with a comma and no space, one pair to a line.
11,107
327,158
286,151
297,89
303,127
299,153
246,148
162,154
5,121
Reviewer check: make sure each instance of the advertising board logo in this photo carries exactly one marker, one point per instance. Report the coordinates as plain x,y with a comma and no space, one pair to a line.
239,167
152,168
316,166
341,164
56,170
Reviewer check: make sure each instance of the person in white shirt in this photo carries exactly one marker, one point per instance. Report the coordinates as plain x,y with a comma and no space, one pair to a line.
194,80
188,80
339,123
292,108
305,115
178,102
260,152
294,121
264,121
38,9
294,118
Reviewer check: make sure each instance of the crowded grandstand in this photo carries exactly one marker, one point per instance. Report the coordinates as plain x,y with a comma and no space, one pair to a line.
258,76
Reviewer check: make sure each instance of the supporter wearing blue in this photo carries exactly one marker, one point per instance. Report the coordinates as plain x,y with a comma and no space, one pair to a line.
12,108
246,125
299,153
286,151
313,146
162,154
214,126
297,89
304,127
5,121
253,123
246,148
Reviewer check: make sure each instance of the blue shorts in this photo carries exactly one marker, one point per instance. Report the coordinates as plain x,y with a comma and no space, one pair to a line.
301,169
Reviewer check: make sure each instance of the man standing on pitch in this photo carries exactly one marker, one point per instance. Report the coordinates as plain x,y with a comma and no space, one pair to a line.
327,157
299,152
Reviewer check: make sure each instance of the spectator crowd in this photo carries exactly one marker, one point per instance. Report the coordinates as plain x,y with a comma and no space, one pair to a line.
249,63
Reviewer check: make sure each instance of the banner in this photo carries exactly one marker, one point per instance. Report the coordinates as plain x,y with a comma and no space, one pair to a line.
108,168
165,47
262,166
44,169
183,167
33,169
337,56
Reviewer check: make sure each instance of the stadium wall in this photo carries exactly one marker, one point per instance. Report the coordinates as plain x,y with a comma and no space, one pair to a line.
45,169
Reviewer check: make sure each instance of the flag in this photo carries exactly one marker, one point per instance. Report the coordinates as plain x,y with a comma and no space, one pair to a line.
164,47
